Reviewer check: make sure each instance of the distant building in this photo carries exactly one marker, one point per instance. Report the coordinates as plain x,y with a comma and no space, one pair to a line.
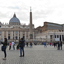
52,26
51,32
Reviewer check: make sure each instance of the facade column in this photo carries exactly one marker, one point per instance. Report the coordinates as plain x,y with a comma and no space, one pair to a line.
14,34
25,35
2,36
20,34
7,34
28,35
33,35
61,37
11,35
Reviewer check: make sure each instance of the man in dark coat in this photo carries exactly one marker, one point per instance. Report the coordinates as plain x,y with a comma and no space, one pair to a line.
61,45
58,45
21,45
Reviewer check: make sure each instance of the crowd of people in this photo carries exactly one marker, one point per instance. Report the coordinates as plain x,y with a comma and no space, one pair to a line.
58,45
21,46
12,46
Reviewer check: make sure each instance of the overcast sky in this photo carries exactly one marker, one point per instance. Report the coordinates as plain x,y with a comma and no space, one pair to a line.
42,10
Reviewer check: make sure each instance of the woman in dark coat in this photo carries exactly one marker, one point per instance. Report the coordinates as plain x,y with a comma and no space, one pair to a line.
4,45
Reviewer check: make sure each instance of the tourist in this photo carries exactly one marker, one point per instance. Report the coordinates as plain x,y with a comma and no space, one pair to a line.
54,44
30,44
45,44
61,45
13,45
10,45
4,48
27,44
21,45
58,45
50,44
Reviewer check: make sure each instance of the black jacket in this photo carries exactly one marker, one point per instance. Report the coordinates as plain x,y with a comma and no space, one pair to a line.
21,43
4,43
60,43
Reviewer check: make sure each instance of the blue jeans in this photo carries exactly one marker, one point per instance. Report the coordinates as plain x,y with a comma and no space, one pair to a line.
21,50
61,47
5,52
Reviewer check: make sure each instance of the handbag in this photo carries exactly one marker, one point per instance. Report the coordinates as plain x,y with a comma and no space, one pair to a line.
3,48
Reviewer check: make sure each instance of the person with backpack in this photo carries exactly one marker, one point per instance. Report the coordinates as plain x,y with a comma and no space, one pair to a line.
4,48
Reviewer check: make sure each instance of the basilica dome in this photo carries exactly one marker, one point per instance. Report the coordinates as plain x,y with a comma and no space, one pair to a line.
14,20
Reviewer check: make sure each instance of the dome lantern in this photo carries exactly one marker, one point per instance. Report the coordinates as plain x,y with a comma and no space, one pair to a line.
14,15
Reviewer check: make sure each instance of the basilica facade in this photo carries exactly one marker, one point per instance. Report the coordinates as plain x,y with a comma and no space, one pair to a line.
15,30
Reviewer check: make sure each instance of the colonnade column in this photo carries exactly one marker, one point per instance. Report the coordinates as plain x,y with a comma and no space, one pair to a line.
33,35
60,37
7,34
11,35
21,35
25,35
2,35
14,34
18,35
28,35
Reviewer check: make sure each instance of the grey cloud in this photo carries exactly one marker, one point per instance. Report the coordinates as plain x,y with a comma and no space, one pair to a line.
42,14
22,16
21,12
2,15
15,7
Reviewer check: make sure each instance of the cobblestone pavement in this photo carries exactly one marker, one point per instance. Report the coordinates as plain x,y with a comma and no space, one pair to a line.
35,55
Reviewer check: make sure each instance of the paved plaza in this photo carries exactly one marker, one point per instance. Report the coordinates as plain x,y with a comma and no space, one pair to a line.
35,55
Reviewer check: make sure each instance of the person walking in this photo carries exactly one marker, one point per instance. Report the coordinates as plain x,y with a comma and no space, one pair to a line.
54,44
4,46
21,45
27,44
50,44
45,44
30,44
10,45
13,45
